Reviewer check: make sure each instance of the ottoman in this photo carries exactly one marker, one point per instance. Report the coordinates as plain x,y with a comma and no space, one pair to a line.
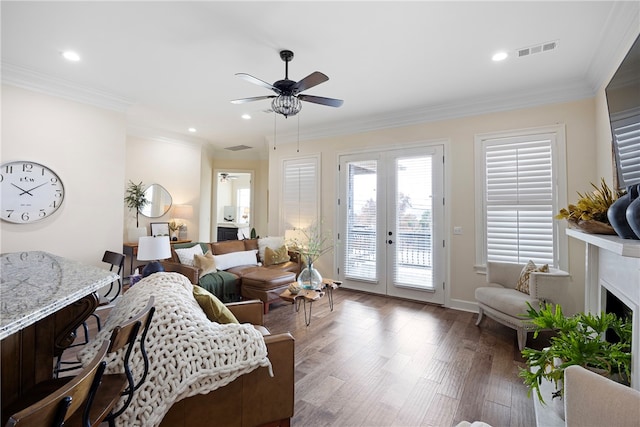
266,285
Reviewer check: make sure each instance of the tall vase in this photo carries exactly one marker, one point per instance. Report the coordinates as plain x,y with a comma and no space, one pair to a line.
633,214
309,277
617,214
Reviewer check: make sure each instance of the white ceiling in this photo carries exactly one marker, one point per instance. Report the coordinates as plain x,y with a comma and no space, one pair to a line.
171,65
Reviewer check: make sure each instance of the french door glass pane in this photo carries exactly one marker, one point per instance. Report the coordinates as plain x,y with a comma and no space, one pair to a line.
361,237
414,206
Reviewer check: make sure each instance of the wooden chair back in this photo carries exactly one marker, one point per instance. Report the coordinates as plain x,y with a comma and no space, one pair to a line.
59,406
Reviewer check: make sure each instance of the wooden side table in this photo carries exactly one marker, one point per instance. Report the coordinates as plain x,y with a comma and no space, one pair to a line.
311,295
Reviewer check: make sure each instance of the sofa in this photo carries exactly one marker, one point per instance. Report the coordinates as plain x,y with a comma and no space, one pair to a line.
205,366
254,399
243,269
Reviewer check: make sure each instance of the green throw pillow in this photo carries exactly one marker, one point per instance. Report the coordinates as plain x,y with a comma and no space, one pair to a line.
215,310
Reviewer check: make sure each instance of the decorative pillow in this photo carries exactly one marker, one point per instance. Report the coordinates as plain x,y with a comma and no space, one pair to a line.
234,259
186,255
205,263
276,256
523,281
215,310
271,242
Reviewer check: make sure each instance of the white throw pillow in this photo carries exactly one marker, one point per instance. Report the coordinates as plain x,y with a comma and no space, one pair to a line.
234,259
273,242
186,255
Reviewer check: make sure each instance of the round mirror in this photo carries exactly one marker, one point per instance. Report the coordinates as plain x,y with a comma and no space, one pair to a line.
159,201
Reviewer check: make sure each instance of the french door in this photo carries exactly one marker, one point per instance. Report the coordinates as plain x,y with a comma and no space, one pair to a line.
390,219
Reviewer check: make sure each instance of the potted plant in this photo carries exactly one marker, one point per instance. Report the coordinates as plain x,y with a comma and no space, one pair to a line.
589,213
310,243
135,198
578,340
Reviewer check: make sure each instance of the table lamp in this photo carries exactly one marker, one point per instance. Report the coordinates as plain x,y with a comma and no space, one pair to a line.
152,248
180,214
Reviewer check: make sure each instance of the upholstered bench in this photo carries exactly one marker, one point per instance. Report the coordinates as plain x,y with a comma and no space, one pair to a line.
265,285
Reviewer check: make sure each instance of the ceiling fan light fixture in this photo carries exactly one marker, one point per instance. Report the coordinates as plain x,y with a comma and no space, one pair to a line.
287,105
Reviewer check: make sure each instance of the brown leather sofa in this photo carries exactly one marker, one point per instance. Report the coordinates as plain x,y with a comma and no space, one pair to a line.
253,399
265,283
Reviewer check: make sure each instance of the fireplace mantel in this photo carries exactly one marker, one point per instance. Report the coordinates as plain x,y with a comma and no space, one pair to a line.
613,264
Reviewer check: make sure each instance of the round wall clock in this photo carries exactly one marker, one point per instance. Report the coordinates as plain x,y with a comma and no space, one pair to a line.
30,192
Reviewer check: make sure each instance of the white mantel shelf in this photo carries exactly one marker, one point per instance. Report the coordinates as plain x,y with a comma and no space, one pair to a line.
613,264
623,247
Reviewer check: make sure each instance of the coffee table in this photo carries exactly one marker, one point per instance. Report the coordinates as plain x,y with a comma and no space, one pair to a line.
311,295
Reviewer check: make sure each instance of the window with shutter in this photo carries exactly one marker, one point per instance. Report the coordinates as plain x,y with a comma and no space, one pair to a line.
300,197
519,198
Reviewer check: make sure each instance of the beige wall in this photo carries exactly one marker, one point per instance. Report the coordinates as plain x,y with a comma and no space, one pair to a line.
581,170
174,165
85,146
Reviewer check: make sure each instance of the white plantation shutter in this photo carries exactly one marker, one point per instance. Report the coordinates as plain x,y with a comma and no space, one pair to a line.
362,221
519,199
626,133
300,193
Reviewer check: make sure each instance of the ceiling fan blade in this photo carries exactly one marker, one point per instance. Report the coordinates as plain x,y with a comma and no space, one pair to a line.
331,102
310,81
258,82
255,98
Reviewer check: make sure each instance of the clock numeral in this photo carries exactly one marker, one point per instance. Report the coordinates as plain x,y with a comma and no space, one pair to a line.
42,213
27,167
54,181
25,216
9,212
58,193
8,169
53,204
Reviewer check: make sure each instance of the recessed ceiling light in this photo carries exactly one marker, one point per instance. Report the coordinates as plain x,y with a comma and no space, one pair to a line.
71,56
500,56
246,116
192,129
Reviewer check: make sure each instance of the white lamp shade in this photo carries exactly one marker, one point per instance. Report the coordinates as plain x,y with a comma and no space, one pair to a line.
153,248
183,211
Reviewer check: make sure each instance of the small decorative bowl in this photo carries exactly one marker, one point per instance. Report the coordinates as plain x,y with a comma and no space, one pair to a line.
293,288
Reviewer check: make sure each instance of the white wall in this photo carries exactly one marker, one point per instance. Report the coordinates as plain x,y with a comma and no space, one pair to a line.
581,170
85,146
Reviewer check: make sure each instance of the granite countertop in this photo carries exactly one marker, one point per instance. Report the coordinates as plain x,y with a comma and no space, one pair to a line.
36,284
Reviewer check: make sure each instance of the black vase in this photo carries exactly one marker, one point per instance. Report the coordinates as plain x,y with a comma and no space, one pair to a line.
633,214
617,214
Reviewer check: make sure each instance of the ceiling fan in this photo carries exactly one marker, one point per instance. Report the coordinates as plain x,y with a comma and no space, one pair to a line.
288,96
225,177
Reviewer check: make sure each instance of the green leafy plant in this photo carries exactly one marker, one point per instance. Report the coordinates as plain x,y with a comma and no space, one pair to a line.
135,198
578,340
591,206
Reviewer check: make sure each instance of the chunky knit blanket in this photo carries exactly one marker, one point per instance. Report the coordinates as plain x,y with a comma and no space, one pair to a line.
188,354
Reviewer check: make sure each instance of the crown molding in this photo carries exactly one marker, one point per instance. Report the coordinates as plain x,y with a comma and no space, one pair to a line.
524,99
36,81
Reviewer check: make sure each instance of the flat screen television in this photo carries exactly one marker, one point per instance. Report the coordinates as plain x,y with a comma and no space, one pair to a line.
623,101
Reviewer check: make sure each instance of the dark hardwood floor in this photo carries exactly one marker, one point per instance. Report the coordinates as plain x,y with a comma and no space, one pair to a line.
379,361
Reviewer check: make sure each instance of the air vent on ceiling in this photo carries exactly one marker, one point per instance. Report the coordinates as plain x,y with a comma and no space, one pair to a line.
238,148
531,50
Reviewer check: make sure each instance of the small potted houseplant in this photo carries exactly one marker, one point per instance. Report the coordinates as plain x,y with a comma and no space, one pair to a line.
578,340
135,198
589,213
310,243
